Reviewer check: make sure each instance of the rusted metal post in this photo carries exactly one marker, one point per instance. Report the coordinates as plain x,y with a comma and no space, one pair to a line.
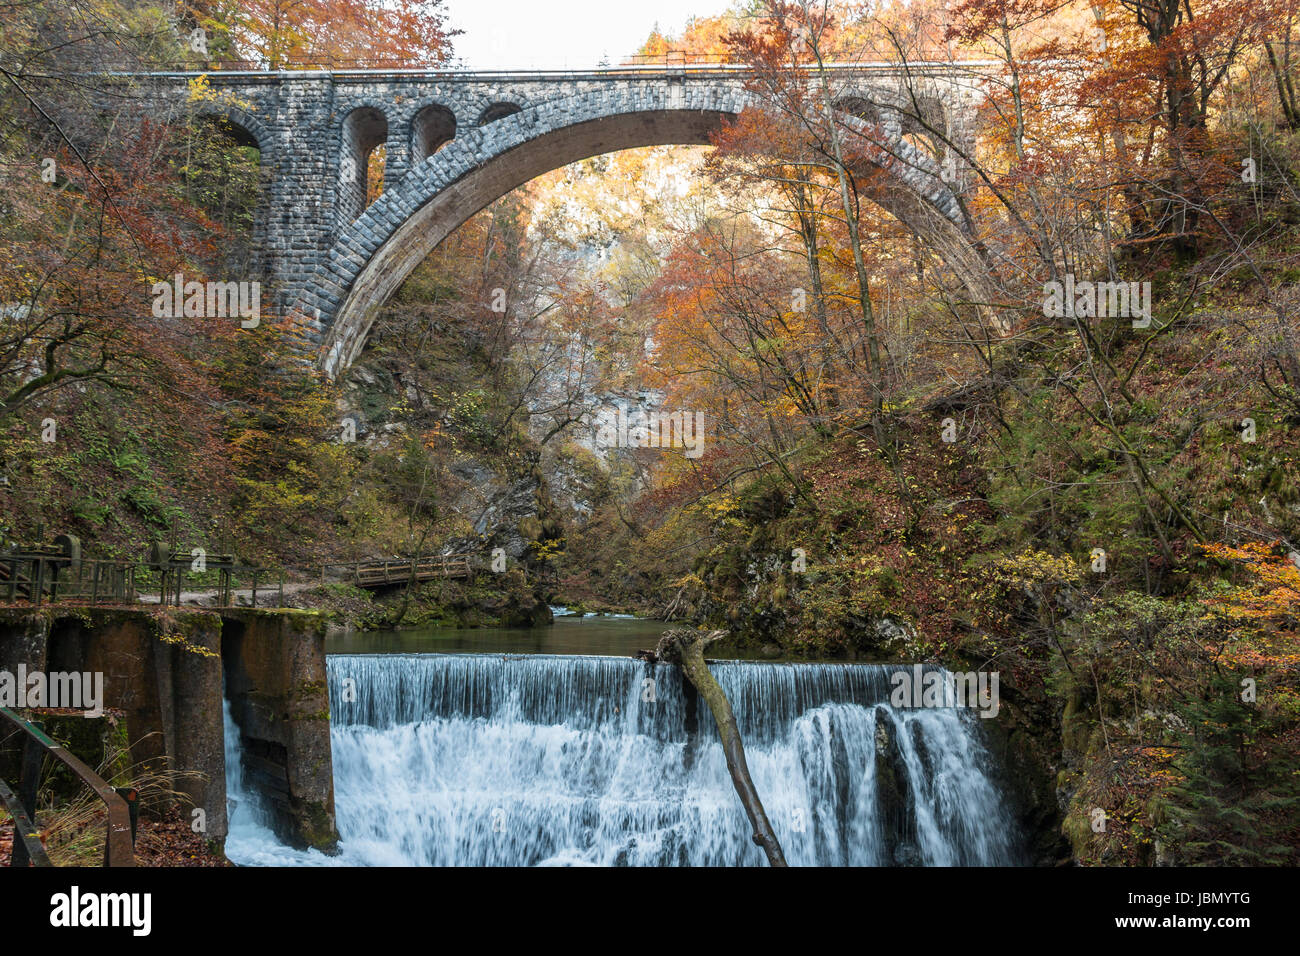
25,831
132,797
28,785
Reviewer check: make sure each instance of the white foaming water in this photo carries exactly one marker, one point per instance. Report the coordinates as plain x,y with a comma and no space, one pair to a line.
249,839
539,760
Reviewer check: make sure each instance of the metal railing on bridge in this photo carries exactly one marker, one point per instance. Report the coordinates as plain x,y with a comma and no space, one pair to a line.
57,572
119,840
671,59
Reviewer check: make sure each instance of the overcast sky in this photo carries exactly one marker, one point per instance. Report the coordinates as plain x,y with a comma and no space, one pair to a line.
562,34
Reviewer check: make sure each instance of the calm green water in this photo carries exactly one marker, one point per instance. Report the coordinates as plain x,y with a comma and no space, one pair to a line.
610,637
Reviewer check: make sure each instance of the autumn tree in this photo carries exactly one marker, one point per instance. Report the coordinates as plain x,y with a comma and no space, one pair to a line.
319,33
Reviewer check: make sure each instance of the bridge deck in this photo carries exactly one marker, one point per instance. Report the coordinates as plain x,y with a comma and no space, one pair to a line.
374,574
245,69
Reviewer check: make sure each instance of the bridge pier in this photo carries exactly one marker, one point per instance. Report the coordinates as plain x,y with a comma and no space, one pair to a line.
162,672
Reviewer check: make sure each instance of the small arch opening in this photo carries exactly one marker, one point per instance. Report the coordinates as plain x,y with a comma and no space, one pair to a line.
432,129
496,111
222,168
910,127
859,107
361,160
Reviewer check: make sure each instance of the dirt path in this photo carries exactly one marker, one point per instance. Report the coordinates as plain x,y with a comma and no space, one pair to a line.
242,597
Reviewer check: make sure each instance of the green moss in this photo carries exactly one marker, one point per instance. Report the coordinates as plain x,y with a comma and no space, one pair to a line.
316,826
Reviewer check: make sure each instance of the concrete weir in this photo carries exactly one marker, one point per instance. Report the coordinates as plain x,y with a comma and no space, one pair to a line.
165,671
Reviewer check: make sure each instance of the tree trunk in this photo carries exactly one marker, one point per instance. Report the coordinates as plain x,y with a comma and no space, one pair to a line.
686,647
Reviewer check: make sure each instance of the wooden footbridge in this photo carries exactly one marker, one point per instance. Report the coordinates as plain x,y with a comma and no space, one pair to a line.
378,574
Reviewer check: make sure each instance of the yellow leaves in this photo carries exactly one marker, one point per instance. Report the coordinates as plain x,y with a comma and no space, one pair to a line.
720,506
201,91
1037,567
691,580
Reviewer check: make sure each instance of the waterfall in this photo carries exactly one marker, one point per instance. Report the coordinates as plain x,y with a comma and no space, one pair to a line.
537,760
249,839
236,797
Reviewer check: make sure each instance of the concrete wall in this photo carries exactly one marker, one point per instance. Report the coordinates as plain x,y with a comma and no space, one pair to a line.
279,698
164,671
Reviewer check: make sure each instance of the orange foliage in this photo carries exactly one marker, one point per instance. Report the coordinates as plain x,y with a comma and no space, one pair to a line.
1273,596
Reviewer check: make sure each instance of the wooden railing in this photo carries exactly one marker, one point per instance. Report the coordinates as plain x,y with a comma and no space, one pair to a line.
27,846
34,578
373,574
57,572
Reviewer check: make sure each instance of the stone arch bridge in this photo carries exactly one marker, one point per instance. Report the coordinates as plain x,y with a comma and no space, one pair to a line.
456,141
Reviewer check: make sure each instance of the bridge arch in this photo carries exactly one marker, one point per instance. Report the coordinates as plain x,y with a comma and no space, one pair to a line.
374,254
